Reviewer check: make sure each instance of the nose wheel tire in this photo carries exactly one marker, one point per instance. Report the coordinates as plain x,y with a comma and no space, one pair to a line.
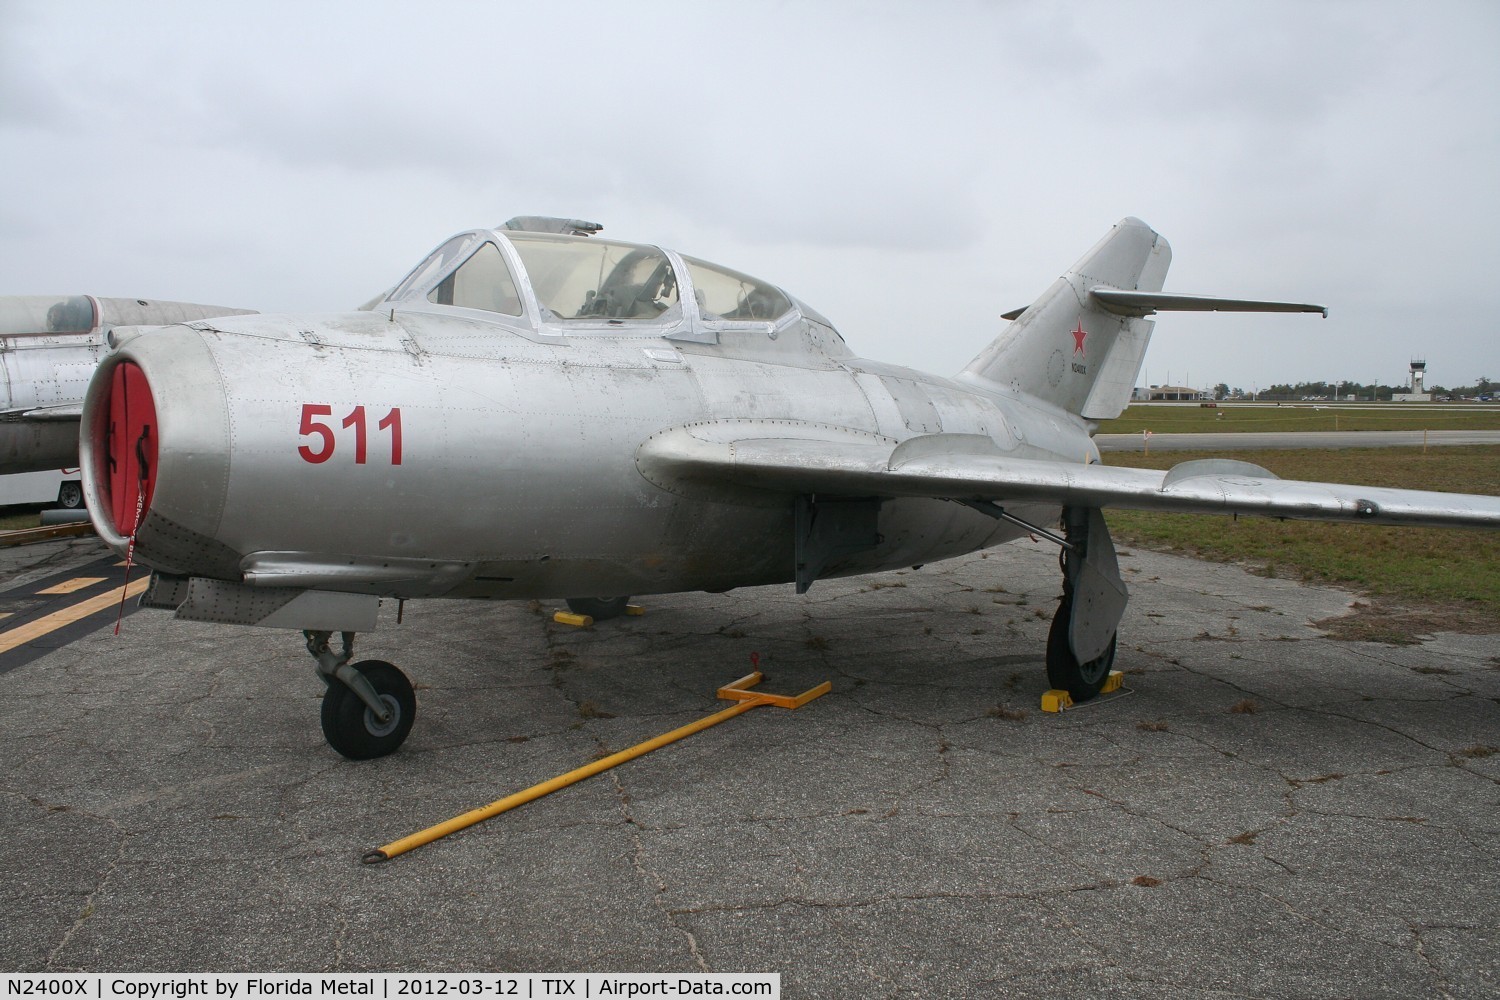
1081,680
353,729
598,608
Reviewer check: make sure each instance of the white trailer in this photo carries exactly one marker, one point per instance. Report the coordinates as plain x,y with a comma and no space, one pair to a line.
59,487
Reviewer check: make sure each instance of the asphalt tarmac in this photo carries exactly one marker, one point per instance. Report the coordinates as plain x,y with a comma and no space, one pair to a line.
1263,812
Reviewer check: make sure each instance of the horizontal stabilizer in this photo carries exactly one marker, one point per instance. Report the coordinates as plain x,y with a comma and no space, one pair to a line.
1126,302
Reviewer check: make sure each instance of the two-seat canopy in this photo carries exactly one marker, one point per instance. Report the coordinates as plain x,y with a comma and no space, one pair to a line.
573,284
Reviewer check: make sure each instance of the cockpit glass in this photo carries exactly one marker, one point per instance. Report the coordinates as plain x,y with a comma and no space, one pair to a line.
481,282
45,314
586,279
434,265
729,295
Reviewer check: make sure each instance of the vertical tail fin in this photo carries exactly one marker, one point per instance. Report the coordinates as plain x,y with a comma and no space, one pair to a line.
1066,347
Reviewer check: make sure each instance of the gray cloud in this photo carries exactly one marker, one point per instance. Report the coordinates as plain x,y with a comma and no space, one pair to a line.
913,172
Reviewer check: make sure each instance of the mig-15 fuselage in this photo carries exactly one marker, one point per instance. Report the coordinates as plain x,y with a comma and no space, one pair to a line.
537,415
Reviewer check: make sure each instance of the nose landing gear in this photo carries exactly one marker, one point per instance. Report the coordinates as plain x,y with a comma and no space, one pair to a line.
369,707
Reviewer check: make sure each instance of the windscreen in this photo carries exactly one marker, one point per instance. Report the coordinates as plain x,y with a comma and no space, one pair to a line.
435,264
481,282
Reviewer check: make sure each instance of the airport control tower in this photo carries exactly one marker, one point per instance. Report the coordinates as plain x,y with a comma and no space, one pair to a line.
1417,394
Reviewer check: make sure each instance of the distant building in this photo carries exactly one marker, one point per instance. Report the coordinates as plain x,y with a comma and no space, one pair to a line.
1175,393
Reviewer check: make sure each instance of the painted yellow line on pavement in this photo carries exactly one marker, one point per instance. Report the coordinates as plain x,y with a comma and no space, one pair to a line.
74,585
22,634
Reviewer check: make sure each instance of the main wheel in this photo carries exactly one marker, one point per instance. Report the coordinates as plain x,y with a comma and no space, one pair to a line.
598,608
1081,680
355,731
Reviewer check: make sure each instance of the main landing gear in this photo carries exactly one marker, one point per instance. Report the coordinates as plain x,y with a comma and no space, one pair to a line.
369,706
1081,641
1064,672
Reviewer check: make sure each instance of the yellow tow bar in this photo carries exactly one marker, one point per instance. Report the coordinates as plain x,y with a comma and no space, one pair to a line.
737,692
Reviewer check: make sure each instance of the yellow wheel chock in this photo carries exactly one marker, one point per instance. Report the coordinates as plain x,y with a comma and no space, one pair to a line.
737,692
584,621
1058,700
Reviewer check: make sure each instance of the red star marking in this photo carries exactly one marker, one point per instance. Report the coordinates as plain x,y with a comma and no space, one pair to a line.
1078,336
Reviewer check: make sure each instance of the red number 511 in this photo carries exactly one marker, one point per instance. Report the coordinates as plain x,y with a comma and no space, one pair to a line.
312,426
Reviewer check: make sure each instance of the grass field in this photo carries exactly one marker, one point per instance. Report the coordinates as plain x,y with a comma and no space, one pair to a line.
1457,570
1301,417
15,518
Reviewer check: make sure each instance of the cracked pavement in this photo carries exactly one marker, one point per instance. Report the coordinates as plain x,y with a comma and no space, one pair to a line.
1263,812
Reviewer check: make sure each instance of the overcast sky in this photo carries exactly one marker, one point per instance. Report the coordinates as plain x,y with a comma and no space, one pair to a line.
911,170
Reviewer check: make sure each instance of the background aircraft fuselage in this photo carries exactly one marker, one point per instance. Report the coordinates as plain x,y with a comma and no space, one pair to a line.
49,348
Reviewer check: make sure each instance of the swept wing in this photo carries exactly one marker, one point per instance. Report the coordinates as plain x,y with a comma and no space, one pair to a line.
761,457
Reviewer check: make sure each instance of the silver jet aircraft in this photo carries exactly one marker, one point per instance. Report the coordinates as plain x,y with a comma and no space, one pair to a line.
49,346
537,415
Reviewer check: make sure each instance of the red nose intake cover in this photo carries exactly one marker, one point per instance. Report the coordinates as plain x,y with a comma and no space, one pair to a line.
130,447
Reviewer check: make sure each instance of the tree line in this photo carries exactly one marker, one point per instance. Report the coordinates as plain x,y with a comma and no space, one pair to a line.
1351,390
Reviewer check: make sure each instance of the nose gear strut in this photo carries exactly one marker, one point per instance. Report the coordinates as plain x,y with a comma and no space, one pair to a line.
369,707
331,668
